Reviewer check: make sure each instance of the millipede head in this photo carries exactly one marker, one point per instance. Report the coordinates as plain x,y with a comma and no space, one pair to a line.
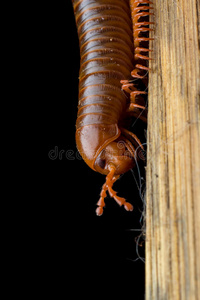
116,153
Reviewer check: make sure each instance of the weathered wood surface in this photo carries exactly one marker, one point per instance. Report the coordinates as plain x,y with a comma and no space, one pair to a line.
173,166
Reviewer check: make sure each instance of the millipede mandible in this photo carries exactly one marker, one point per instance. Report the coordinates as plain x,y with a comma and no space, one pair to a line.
112,34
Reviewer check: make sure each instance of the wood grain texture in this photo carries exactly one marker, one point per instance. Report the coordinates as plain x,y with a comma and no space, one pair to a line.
173,166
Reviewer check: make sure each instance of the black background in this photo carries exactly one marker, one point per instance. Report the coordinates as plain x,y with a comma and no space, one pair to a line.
78,252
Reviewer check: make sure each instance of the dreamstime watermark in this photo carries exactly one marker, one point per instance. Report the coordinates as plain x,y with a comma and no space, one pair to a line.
64,154
69,154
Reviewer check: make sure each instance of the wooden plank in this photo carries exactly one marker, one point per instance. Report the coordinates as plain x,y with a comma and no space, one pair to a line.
173,155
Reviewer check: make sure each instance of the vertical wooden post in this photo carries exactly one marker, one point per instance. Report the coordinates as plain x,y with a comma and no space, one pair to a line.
173,166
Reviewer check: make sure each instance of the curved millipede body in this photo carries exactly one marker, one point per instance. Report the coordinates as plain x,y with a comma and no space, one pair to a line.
110,36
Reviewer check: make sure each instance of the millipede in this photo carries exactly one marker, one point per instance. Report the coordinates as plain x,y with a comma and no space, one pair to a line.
113,39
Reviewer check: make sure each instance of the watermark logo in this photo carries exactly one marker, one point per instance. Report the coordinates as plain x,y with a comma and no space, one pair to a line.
64,154
70,154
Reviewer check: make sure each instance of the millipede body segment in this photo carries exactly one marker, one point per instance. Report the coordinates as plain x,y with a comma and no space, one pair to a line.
110,36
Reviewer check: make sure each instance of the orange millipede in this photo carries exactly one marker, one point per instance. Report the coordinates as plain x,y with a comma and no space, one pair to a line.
112,35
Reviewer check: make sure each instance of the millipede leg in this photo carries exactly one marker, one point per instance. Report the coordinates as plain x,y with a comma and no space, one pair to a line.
139,9
134,94
135,3
137,55
144,119
129,146
121,201
101,203
135,74
132,107
139,49
129,88
110,179
129,133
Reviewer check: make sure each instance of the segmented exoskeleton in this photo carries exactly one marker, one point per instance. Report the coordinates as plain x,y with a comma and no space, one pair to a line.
109,37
